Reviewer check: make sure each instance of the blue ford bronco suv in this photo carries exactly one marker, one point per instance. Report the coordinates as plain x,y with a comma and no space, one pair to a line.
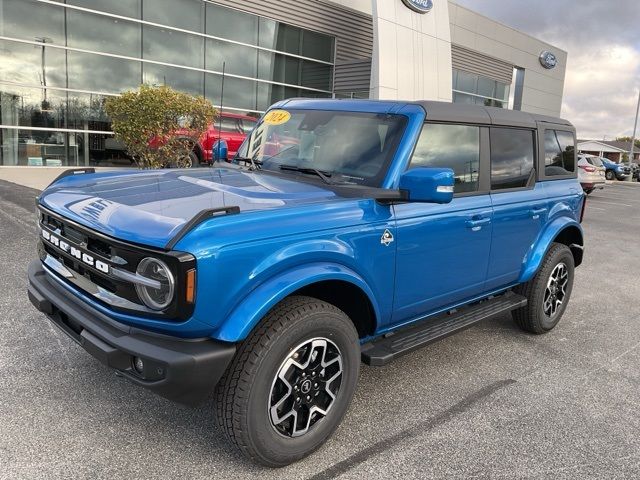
345,231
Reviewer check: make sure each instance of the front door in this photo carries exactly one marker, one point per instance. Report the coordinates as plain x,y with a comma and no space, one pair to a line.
442,254
443,250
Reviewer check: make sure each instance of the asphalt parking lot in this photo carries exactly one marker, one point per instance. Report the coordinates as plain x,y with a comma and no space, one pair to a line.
491,402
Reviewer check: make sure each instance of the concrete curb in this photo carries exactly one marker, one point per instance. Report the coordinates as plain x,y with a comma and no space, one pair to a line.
40,177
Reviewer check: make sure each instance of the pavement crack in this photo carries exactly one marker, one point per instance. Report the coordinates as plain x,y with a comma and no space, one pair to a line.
625,353
414,431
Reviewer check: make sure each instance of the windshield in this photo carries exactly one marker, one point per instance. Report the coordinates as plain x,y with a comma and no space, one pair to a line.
246,125
347,147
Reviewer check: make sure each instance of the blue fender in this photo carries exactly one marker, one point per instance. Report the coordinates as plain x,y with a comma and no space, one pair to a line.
255,306
539,249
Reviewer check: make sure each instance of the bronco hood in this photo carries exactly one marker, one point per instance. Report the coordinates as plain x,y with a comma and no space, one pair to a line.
150,207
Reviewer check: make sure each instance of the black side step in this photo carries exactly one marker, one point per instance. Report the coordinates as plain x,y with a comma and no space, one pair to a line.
384,350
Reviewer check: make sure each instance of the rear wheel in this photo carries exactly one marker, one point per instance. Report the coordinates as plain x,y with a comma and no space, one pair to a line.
291,382
610,175
186,161
548,292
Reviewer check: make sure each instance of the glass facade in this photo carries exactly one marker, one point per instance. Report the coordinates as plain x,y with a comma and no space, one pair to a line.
61,59
478,90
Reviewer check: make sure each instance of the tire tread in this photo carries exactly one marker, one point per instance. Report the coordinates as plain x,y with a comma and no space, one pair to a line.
527,317
232,392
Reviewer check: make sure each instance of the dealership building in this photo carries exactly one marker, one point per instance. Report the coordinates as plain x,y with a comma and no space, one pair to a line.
60,60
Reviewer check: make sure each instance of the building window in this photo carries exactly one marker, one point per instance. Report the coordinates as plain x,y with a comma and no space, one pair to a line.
478,90
99,33
60,61
512,157
450,146
559,153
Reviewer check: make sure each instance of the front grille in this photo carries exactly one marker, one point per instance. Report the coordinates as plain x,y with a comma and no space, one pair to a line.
74,235
99,249
98,246
117,255
51,222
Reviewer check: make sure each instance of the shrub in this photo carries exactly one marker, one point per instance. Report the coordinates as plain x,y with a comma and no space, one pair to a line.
159,125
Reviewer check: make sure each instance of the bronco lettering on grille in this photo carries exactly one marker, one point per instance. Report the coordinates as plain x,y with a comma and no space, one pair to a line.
75,252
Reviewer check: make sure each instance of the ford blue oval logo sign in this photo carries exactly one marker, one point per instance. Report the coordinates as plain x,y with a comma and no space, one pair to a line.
548,60
420,6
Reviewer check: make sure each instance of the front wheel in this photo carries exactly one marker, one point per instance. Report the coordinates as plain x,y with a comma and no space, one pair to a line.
290,383
548,292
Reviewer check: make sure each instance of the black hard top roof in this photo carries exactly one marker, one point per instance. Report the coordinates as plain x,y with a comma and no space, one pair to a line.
443,111
463,113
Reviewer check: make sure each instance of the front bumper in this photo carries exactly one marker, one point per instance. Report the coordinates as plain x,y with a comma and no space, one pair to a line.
185,371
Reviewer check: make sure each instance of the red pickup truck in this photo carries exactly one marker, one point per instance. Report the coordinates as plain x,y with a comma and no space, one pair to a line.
230,127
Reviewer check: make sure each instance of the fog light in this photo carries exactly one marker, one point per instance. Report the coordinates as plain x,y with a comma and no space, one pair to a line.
138,365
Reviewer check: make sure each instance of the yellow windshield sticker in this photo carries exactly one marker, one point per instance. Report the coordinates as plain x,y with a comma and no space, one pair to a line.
276,117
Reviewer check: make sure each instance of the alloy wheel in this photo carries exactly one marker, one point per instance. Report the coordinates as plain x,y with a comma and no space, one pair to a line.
305,387
556,290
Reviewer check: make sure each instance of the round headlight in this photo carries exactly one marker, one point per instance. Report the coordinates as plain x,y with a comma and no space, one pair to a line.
155,298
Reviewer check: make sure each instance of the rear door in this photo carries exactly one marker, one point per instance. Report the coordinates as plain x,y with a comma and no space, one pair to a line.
519,204
443,250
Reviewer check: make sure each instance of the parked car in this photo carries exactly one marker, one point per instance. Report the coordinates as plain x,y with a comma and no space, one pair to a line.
591,173
230,128
617,171
635,172
393,225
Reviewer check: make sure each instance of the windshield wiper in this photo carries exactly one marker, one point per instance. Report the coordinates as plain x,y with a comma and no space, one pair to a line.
255,163
323,175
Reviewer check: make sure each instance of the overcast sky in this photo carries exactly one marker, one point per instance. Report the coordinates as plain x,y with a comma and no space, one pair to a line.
603,41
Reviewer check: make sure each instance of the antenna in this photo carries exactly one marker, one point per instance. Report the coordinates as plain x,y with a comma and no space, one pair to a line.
224,64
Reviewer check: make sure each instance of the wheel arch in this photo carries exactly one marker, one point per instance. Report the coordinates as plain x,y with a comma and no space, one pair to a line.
196,148
332,283
573,238
566,232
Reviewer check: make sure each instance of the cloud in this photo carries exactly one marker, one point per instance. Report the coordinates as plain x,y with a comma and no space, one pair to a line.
599,91
603,42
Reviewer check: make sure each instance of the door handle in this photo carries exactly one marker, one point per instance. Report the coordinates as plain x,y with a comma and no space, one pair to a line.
477,224
536,212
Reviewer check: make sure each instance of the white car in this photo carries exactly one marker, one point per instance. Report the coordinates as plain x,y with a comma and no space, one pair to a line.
591,173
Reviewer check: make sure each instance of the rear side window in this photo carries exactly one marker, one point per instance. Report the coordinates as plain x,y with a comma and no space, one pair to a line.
228,124
451,146
559,153
595,161
512,157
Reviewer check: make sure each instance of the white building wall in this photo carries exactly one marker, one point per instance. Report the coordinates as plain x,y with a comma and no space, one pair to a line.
543,89
411,52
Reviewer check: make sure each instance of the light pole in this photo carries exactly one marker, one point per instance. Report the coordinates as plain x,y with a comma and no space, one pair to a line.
633,140
44,41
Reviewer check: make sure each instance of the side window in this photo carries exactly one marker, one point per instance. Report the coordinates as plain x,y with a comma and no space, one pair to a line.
559,153
512,157
451,146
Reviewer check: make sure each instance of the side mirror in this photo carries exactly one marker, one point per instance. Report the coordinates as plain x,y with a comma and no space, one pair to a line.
220,151
429,185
